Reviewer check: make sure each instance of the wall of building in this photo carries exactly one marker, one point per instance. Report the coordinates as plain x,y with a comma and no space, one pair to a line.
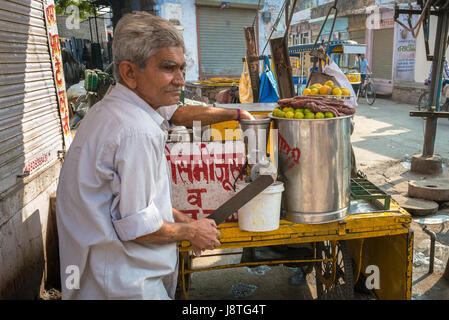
28,240
422,66
68,29
274,7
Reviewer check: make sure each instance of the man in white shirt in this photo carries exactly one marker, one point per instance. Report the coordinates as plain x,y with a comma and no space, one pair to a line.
117,229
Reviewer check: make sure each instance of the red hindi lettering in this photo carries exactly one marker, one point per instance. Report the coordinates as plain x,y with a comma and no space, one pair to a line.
185,167
200,169
193,213
195,197
58,66
50,12
54,44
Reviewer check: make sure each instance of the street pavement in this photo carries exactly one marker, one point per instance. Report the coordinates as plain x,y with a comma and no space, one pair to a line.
385,131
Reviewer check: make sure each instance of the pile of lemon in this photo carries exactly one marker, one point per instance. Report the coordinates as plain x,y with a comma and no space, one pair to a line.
328,88
290,113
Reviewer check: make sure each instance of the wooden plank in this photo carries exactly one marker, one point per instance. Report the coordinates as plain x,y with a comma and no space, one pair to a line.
282,67
253,64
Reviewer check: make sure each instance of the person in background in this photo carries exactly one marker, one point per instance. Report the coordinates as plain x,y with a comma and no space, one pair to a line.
364,67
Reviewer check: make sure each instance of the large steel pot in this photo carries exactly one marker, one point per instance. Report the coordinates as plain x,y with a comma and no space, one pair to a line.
315,165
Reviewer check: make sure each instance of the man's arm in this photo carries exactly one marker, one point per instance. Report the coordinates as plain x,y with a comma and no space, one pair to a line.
185,115
202,234
181,217
367,67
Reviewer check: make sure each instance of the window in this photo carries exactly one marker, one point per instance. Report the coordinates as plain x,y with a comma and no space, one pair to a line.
343,36
305,37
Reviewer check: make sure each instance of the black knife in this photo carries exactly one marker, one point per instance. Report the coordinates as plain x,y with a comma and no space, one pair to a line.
241,198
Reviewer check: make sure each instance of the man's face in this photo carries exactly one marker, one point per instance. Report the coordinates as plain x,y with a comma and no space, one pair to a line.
362,56
160,83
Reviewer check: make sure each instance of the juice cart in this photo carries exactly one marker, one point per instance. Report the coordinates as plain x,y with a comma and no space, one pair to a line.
371,244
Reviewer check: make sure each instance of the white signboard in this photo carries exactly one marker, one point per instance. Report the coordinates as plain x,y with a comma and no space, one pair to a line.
203,175
404,51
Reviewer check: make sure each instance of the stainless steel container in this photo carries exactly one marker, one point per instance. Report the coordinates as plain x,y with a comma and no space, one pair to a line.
315,166
255,134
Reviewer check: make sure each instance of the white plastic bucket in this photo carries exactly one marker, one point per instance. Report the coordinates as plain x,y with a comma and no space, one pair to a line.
263,212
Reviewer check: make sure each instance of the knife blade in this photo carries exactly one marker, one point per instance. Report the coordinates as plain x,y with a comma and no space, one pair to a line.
241,198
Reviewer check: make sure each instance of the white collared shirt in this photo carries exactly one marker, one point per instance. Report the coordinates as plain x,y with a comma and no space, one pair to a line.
113,188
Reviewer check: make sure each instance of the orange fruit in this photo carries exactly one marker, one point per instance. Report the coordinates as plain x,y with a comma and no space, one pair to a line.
324,90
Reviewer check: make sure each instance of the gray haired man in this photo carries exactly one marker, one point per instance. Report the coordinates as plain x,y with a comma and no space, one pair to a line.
117,229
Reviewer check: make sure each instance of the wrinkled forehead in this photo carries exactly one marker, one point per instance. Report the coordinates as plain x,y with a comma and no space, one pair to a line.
171,55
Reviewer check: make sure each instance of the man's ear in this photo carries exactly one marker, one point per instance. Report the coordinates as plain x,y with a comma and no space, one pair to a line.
128,72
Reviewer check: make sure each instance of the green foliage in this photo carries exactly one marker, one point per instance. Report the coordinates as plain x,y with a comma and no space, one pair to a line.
85,7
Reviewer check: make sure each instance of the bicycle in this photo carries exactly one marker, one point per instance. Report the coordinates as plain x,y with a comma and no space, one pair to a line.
423,99
367,90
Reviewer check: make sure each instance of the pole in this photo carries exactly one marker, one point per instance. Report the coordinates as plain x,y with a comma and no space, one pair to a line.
96,24
435,89
90,28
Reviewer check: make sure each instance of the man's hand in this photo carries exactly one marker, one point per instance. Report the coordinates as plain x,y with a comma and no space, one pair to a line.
205,235
245,115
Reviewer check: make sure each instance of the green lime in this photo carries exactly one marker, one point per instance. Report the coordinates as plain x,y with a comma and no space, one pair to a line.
319,115
309,115
329,114
307,111
287,109
281,114
299,115
289,114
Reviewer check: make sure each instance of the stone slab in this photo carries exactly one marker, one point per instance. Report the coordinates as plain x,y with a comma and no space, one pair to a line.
426,165
418,207
429,189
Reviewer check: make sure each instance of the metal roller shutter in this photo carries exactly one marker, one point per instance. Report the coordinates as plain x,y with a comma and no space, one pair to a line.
30,124
357,36
383,53
222,40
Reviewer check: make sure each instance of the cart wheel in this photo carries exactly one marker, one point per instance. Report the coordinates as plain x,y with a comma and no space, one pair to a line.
342,287
179,295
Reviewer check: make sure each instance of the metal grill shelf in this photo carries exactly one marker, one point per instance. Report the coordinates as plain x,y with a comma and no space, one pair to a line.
362,189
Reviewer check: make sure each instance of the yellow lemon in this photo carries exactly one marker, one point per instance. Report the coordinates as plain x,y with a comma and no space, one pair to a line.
329,83
336,92
319,115
299,115
309,115
289,115
317,85
345,91
314,91
306,91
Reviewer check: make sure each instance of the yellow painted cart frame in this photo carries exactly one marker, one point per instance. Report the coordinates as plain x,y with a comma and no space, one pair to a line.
383,239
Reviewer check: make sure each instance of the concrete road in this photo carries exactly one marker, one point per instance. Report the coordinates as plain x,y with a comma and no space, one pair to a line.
385,131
